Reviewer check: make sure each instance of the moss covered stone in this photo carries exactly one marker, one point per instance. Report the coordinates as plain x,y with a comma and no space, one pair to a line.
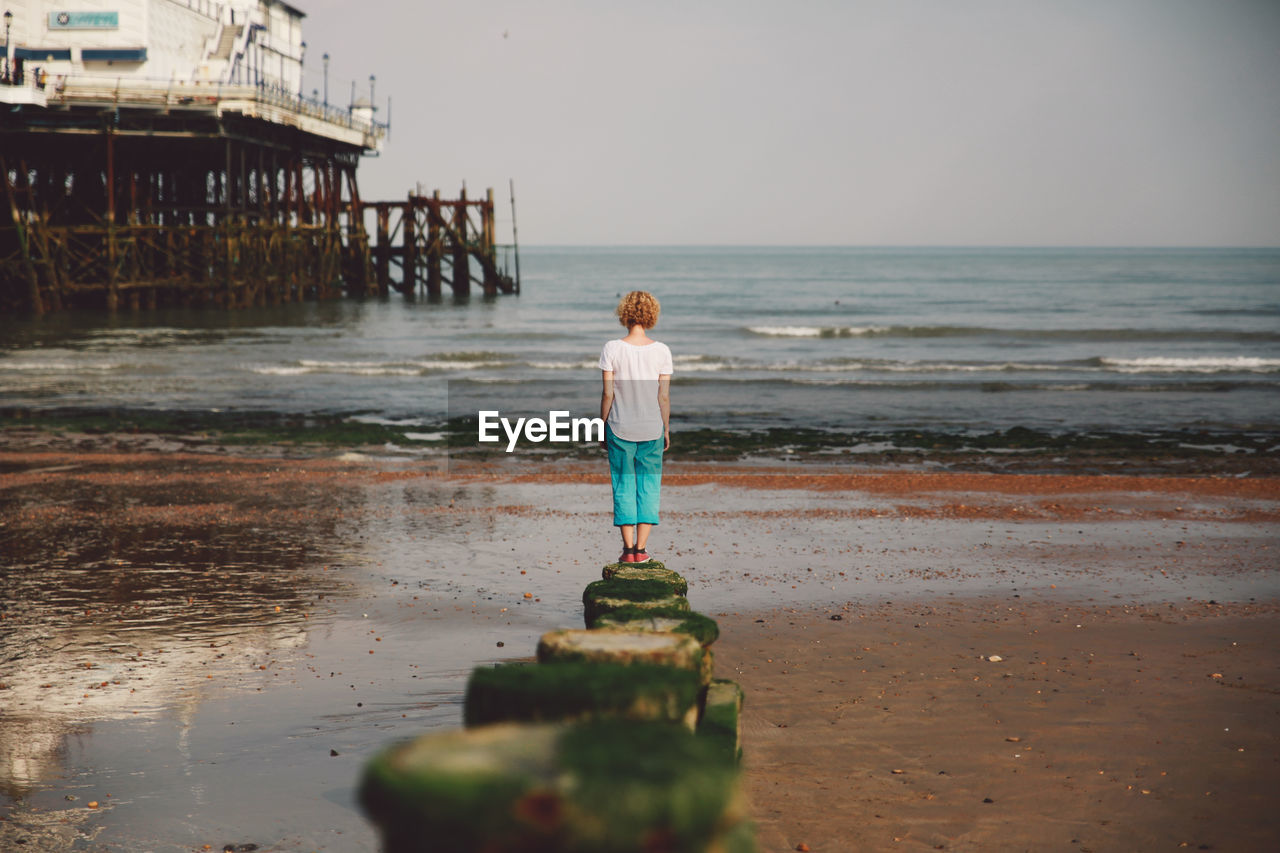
594,608
602,596
610,568
652,570
739,838
610,645
721,720
601,786
674,620
573,691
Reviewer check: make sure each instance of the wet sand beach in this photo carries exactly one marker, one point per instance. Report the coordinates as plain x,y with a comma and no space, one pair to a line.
1099,728
207,642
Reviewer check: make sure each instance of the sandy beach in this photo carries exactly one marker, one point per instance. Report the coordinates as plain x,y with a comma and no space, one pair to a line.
202,644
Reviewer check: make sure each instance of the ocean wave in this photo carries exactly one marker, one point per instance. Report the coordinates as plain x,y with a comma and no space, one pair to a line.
817,331
1152,365
990,385
425,436
563,365
352,370
370,368
873,365
1250,311
927,367
162,333
163,336
709,367
456,364
1017,334
692,362
379,420
57,366
467,356
1206,364
702,363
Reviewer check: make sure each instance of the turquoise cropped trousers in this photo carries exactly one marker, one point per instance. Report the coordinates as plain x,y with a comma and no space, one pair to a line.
636,470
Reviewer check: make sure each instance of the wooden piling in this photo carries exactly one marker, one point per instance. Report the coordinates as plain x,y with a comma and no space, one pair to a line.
490,282
383,254
461,268
435,253
113,292
409,285
139,220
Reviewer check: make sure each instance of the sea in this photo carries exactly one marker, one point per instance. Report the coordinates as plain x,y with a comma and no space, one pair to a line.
855,343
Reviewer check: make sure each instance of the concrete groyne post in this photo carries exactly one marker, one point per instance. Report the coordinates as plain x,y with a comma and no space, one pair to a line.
616,739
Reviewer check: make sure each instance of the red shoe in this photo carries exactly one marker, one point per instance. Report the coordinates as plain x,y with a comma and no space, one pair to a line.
627,554
640,555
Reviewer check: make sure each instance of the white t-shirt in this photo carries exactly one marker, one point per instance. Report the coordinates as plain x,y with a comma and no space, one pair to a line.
635,415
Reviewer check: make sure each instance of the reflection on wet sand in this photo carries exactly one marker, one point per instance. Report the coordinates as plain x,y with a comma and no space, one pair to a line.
128,592
275,622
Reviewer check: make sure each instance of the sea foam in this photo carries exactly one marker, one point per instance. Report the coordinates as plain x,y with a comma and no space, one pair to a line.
1205,364
816,331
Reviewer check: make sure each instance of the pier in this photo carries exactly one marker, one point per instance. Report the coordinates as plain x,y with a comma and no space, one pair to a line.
424,237
141,175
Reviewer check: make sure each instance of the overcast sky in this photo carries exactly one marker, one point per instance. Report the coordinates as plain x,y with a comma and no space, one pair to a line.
902,122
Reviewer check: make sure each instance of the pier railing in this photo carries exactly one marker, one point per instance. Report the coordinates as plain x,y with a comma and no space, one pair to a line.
272,103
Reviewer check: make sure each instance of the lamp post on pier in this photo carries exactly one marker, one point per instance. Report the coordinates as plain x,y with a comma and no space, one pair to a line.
302,58
8,21
325,59
372,79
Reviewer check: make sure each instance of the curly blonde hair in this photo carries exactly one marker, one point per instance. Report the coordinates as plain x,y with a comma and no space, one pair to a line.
639,307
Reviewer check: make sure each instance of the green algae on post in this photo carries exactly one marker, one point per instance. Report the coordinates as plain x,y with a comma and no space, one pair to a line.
721,720
602,596
553,692
609,645
652,570
607,785
668,619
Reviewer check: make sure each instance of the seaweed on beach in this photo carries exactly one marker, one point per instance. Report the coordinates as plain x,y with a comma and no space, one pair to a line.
217,427
1017,448
1181,452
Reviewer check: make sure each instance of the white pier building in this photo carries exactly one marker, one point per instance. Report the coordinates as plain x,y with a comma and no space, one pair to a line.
242,57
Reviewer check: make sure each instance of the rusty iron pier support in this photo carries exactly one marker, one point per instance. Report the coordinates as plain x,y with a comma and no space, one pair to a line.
116,210
422,236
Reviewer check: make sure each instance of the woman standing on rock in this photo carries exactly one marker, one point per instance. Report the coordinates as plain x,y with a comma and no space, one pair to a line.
635,405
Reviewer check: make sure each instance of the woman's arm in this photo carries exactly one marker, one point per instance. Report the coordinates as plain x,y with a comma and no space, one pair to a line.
664,403
606,396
